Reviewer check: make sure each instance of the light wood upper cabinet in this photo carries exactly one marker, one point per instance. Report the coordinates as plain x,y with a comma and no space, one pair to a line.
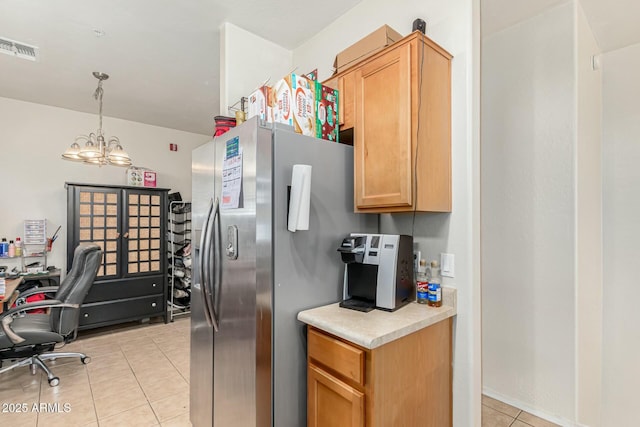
382,146
400,104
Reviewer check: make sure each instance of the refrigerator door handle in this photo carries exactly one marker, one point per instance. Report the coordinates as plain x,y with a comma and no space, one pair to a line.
212,244
218,269
202,265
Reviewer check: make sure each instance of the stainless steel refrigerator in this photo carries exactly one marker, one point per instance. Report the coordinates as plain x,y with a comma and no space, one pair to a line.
252,276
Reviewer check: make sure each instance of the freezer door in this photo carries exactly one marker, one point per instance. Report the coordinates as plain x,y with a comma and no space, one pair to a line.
201,365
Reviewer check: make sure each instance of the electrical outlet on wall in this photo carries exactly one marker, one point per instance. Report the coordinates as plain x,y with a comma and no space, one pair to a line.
416,259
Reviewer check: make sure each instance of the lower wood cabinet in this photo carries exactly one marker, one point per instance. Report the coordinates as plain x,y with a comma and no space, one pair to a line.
406,382
331,402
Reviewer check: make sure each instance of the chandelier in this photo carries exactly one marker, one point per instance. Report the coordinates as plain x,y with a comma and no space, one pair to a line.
95,149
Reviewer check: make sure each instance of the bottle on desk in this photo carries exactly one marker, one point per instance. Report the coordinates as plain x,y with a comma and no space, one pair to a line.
422,283
18,246
12,249
4,248
435,290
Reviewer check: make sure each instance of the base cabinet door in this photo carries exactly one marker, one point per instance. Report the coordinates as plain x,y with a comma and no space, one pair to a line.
331,402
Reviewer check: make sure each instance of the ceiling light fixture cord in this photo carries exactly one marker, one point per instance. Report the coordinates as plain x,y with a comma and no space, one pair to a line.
98,95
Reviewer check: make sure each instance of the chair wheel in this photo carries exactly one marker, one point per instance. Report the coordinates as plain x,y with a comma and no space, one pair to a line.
85,360
54,381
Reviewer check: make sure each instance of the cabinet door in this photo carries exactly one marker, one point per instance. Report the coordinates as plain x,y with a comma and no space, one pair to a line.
97,220
143,232
332,403
383,140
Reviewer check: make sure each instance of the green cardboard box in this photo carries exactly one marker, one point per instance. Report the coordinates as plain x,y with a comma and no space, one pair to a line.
327,112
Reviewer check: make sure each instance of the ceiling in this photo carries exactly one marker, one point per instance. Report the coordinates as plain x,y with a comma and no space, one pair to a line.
162,55
614,22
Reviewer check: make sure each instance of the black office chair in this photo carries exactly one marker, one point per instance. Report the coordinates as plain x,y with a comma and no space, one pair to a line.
32,336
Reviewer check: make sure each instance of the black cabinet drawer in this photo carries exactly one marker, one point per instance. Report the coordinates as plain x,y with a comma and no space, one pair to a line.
122,310
125,288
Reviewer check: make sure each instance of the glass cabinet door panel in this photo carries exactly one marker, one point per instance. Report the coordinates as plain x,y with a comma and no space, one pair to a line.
144,232
97,221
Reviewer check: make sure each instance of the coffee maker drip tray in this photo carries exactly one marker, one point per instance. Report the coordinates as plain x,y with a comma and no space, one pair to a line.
358,304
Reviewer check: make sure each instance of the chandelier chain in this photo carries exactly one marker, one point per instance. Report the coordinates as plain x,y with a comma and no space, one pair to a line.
98,95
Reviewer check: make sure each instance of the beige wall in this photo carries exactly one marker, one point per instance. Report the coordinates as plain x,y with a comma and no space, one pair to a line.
528,210
542,217
588,228
32,139
246,62
621,171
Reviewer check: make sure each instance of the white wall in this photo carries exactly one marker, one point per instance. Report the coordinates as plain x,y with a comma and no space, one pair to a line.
542,217
32,139
453,25
621,202
246,62
588,228
528,211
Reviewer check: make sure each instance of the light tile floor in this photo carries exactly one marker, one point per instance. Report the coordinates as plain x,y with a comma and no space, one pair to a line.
138,376
498,414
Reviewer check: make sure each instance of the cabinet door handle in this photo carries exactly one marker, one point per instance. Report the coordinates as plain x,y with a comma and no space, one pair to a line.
153,304
154,285
86,315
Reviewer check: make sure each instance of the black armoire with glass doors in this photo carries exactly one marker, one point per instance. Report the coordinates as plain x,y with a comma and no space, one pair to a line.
130,225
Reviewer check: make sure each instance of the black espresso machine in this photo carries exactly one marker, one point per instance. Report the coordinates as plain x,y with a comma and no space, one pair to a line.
378,271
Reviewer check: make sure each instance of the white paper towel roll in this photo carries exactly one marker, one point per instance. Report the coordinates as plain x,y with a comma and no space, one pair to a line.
300,201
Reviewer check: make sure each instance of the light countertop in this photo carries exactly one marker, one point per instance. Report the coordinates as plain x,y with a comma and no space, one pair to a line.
377,327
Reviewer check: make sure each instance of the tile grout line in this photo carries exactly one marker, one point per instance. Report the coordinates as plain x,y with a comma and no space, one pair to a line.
515,418
173,364
504,413
93,399
39,397
146,396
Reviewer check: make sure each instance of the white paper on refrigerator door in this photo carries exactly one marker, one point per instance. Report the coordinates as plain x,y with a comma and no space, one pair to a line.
232,175
300,202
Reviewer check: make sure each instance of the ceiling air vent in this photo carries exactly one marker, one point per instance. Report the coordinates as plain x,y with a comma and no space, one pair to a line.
18,49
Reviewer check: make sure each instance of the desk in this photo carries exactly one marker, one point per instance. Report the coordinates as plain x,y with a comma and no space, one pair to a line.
9,298
52,277
10,294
